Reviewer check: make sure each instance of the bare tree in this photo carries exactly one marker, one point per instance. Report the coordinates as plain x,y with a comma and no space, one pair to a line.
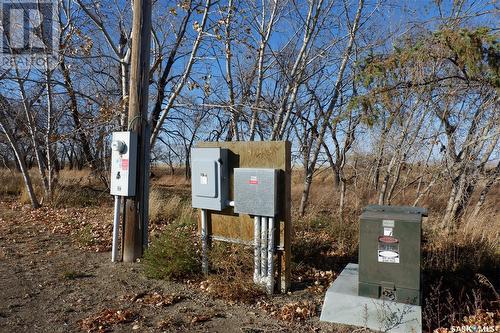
200,28
4,125
330,109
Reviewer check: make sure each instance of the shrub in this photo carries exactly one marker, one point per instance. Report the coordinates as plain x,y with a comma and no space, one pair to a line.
173,255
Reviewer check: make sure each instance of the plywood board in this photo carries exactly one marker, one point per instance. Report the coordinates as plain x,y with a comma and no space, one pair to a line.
239,229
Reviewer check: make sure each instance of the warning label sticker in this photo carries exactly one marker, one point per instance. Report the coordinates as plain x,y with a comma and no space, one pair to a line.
253,180
388,249
124,164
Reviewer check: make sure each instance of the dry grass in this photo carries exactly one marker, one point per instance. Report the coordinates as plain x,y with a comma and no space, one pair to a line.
72,188
75,176
459,267
165,206
232,274
472,246
11,183
162,176
24,197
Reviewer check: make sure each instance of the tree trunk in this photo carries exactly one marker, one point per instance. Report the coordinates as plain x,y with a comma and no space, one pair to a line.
48,133
342,197
396,180
22,166
455,201
492,179
162,82
297,71
305,192
82,137
233,128
182,81
260,68
33,133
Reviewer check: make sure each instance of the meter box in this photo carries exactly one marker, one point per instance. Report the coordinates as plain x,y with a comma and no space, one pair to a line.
123,163
209,178
389,253
256,191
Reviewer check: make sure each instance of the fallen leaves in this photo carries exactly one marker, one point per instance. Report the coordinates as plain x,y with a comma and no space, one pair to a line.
322,280
481,321
483,318
317,281
232,290
106,319
186,317
155,299
89,227
295,311
200,319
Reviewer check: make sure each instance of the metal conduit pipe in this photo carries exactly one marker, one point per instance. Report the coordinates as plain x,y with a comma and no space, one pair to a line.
256,238
204,242
116,225
263,248
270,257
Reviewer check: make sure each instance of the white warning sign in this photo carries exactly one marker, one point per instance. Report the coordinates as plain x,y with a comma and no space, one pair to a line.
388,249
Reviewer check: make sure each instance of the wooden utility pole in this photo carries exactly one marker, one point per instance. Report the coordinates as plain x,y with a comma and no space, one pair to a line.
137,117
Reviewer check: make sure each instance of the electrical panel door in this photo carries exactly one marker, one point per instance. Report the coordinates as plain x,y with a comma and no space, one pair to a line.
256,191
123,163
209,178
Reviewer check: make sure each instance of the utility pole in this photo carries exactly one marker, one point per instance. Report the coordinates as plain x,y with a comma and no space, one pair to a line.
136,221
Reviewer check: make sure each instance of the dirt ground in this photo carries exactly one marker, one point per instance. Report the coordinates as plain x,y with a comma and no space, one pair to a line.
50,284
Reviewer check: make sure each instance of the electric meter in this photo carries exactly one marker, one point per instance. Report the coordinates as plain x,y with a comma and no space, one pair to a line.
123,163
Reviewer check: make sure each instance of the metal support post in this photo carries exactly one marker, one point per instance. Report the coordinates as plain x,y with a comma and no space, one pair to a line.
270,257
263,247
204,242
116,226
256,239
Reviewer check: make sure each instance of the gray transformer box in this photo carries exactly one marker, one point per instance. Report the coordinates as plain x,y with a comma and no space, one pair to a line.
389,253
256,191
209,178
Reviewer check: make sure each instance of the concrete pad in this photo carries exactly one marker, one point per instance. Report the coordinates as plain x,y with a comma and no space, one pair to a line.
343,305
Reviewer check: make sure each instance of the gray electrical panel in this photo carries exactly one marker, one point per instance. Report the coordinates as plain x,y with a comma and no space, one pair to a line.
256,191
209,178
